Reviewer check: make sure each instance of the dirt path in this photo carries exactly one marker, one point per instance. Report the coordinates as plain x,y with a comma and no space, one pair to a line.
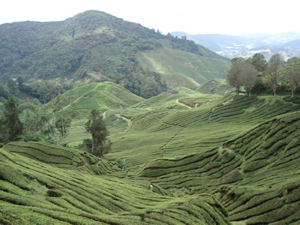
181,103
129,122
104,115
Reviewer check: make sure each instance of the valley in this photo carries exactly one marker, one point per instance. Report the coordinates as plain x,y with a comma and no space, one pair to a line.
104,121
231,160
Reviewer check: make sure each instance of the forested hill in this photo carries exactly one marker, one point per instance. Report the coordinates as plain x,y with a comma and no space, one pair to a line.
95,46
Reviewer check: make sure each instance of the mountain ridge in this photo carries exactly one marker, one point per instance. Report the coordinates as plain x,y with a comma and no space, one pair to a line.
247,45
93,44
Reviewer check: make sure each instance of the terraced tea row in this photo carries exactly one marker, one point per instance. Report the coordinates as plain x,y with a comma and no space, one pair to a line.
172,132
43,193
256,175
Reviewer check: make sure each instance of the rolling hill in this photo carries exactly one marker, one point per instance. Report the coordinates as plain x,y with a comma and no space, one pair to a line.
78,103
255,175
97,46
35,183
243,150
210,159
102,96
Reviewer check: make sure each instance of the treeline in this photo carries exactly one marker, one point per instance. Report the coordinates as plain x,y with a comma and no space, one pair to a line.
29,122
43,90
259,76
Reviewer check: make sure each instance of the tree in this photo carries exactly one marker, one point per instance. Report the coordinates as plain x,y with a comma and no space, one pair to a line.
20,83
62,124
291,73
12,86
237,59
11,123
249,76
258,60
3,91
96,127
242,73
272,71
234,76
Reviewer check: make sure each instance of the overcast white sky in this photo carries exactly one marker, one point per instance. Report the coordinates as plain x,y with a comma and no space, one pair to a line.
191,16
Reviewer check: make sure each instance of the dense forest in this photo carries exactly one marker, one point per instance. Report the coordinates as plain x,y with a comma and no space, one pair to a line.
92,46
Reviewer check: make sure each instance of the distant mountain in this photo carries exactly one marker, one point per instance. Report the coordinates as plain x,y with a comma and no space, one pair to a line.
287,44
97,46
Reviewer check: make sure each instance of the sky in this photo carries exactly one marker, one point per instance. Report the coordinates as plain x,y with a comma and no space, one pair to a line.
191,16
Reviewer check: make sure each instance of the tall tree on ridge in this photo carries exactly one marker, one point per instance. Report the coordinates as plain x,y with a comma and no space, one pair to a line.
258,60
11,122
249,76
291,73
234,77
272,71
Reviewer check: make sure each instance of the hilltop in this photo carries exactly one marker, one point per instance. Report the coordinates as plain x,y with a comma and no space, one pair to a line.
94,46
102,96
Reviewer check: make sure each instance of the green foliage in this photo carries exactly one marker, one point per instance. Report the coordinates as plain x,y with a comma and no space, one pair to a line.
12,87
146,87
290,74
121,164
92,46
62,124
272,72
96,127
258,60
214,87
3,91
242,73
11,126
237,60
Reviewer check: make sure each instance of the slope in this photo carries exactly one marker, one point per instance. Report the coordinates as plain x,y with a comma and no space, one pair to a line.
255,175
174,130
79,102
181,68
35,192
102,96
97,46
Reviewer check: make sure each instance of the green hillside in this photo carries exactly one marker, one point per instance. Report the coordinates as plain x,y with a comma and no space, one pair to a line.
36,191
211,159
102,96
79,102
243,150
97,46
176,130
255,175
181,68
214,87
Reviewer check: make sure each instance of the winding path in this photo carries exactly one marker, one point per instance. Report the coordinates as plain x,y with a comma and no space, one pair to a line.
129,122
181,103
104,115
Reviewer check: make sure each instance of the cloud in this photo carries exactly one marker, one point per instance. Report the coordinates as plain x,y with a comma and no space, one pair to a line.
193,16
